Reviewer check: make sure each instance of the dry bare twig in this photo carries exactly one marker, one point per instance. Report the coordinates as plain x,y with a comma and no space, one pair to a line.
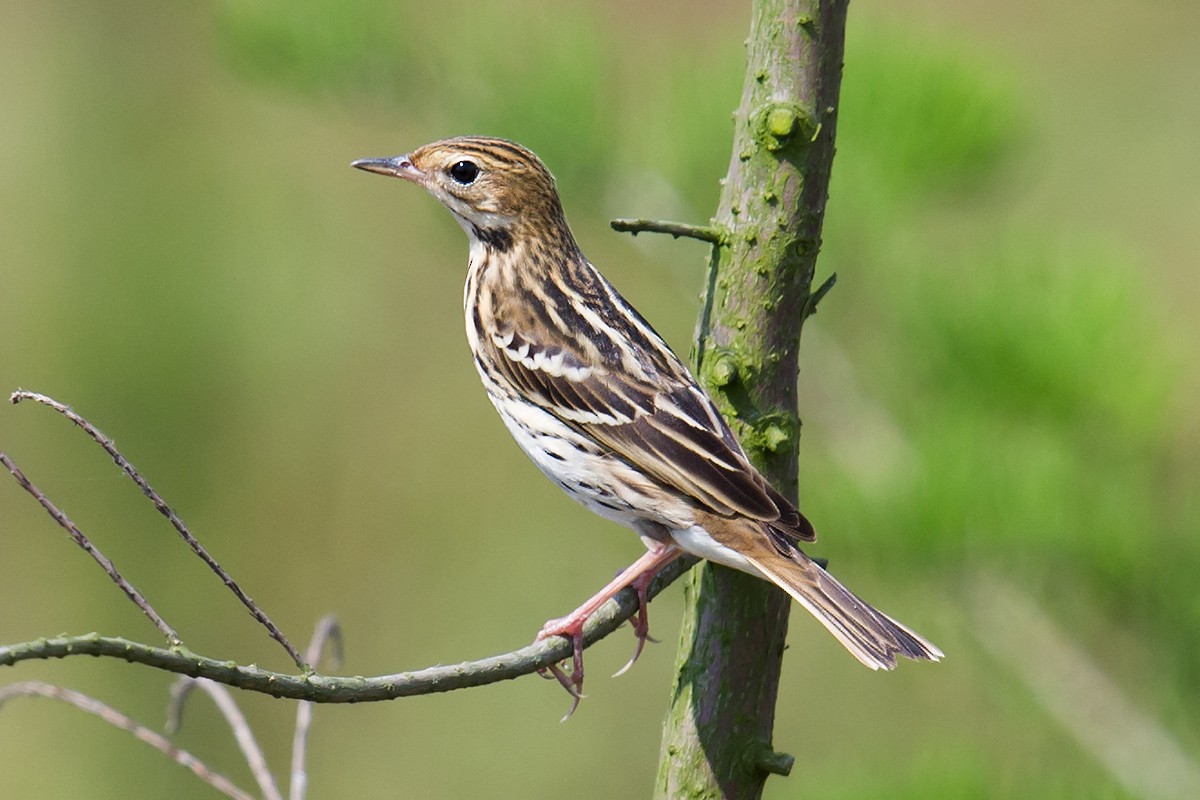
164,509
307,685
236,720
329,633
82,540
115,718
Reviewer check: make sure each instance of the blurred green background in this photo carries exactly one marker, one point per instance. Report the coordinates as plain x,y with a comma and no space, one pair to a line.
1000,395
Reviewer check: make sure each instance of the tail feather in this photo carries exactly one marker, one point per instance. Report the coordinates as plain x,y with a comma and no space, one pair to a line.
871,636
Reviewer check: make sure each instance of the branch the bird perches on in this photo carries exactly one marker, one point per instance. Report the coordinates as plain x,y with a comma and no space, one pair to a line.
307,684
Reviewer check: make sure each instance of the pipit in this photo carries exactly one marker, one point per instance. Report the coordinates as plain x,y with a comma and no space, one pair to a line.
608,412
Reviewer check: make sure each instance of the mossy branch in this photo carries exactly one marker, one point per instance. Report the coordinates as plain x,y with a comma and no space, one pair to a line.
717,737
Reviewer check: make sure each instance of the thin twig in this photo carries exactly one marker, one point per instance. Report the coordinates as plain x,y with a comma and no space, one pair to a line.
810,307
167,512
310,686
80,539
115,718
325,689
176,699
328,632
237,723
705,233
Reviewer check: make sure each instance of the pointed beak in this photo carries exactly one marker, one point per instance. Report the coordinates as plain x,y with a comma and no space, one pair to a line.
397,167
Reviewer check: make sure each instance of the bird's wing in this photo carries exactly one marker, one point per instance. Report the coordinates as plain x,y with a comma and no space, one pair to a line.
639,400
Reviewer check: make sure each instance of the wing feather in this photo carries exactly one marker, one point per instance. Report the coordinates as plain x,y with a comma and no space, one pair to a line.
662,424
568,341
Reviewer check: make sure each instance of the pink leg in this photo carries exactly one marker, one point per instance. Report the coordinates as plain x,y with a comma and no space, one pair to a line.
639,574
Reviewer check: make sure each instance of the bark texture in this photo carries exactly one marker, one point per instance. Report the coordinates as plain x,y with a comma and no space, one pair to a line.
717,740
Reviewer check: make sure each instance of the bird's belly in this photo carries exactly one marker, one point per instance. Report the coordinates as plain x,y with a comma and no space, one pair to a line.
588,472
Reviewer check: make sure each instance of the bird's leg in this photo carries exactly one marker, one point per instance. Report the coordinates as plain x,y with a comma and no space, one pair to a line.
639,574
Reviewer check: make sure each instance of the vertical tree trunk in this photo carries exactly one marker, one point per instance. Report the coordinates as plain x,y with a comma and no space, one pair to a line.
717,741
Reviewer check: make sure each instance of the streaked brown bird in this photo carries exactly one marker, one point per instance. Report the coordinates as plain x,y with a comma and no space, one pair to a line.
608,412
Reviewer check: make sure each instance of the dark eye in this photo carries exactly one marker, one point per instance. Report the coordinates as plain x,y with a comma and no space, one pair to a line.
465,172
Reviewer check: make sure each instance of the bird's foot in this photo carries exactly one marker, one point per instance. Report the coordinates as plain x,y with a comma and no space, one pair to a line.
639,575
571,629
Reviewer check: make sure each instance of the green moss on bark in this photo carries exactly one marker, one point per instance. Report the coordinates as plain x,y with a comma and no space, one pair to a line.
717,738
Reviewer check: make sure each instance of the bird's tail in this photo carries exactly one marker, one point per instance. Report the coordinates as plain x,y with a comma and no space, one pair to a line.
871,636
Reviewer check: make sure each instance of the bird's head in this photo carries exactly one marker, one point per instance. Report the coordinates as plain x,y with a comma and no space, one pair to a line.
496,189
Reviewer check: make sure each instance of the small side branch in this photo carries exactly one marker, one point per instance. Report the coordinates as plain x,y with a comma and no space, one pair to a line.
247,743
766,759
810,307
115,718
705,233
164,509
82,540
328,633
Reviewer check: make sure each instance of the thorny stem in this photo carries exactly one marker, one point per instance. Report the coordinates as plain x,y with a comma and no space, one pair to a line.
816,297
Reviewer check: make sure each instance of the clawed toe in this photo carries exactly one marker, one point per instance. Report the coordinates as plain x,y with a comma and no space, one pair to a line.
641,630
638,576
568,682
571,681
640,622
641,642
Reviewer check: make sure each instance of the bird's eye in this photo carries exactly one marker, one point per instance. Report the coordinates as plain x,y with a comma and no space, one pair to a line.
464,172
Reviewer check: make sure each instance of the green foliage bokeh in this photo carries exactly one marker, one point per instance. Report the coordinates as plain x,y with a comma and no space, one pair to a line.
275,340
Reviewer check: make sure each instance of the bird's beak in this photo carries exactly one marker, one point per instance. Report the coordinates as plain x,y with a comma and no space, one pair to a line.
397,167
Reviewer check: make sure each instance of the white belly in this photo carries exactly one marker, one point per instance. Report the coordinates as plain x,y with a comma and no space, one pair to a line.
587,472
607,485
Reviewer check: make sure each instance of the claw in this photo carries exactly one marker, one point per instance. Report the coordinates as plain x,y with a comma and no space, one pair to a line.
637,651
555,672
571,681
640,622
571,710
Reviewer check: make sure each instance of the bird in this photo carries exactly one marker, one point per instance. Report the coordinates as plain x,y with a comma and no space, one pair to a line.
608,412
